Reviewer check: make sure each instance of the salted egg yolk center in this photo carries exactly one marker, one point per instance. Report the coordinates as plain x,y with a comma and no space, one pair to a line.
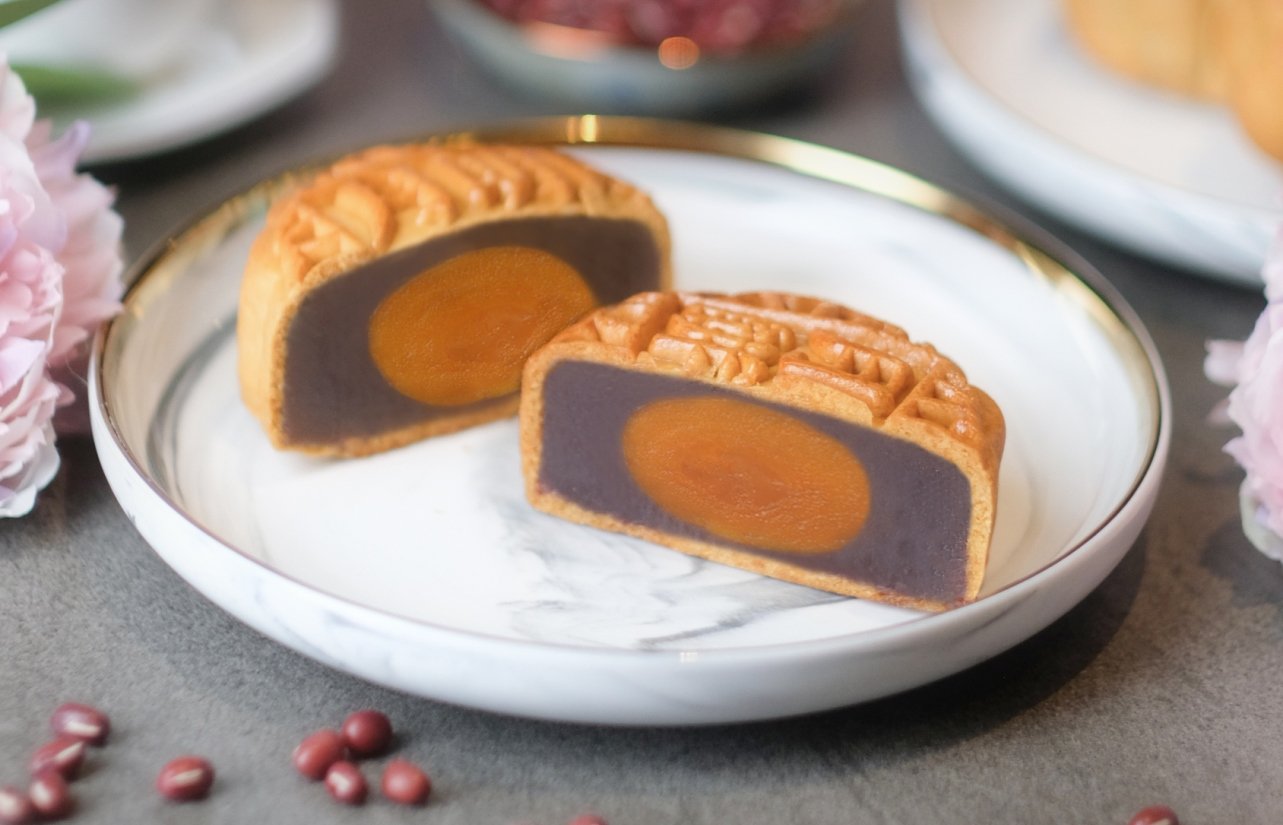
747,473
461,331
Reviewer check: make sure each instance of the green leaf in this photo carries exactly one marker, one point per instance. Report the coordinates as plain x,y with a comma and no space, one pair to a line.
61,84
11,11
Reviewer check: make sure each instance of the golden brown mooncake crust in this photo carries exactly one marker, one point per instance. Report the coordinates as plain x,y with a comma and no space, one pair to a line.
1228,51
390,198
1249,39
1167,43
802,353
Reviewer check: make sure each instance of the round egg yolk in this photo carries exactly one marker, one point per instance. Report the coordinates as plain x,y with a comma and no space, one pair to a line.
747,473
461,331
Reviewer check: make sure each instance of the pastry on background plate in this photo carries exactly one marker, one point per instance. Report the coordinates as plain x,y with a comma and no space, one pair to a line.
1168,43
397,294
1250,39
1229,51
781,434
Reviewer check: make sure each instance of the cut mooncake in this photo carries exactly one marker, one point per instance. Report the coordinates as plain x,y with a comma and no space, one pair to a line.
781,434
397,294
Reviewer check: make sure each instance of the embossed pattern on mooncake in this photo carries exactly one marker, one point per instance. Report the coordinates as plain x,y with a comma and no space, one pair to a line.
388,197
756,338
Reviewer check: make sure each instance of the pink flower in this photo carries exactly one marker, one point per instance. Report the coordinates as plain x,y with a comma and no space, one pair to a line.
1255,369
59,278
90,257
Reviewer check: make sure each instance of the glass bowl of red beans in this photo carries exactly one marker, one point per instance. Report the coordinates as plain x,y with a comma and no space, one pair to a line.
670,57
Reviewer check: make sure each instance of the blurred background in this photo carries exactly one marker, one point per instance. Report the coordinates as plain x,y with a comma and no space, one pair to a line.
1021,89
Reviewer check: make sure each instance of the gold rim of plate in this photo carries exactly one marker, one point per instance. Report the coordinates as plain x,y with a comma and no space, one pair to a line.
1043,256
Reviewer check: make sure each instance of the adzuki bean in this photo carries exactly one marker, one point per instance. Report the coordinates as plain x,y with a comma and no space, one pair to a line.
1154,815
346,784
50,795
15,807
63,755
80,722
315,754
406,783
185,779
367,733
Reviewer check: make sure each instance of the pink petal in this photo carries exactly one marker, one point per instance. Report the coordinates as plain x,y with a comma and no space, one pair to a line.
1221,364
17,357
91,252
1272,272
17,108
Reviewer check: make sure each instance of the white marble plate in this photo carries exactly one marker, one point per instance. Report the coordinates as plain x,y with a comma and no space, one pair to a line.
1171,178
252,57
425,569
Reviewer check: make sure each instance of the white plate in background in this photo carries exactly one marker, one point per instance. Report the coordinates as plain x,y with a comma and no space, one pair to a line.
1171,178
253,57
425,569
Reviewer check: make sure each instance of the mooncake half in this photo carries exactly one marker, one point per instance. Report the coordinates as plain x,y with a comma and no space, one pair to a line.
397,294
781,434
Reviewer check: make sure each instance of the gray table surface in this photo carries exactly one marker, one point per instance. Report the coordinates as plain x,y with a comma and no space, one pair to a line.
1163,685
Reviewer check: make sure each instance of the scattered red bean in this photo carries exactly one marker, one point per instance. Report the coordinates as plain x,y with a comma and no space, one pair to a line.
315,754
1155,815
81,722
50,795
345,783
587,819
406,783
367,733
185,778
63,755
15,808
